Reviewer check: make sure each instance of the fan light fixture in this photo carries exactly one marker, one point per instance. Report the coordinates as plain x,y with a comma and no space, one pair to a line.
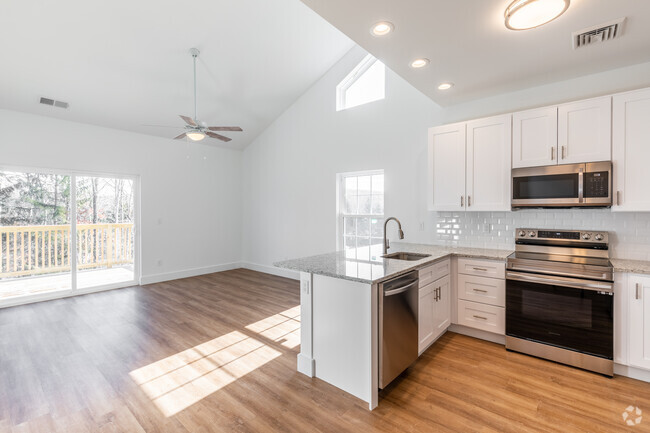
382,28
528,14
195,135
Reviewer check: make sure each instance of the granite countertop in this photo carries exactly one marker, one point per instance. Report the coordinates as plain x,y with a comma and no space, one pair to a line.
631,266
345,264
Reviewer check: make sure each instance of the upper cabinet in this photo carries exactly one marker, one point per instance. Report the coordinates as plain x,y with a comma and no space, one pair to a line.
534,137
567,134
447,167
631,151
488,164
584,131
469,165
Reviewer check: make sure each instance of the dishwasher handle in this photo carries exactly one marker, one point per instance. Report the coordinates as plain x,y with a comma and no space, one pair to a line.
399,290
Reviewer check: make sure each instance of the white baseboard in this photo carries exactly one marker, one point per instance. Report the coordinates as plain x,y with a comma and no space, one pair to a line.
633,372
305,365
168,276
286,273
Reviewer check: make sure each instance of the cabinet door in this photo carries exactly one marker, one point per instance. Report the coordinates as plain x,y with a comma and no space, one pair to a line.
442,307
489,145
425,316
621,298
631,151
639,321
534,137
447,167
584,131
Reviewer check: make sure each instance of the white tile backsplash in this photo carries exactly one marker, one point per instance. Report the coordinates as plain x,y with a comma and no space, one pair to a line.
629,232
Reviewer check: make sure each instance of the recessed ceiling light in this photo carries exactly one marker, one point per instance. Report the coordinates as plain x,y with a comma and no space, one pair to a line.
445,86
382,28
419,63
528,14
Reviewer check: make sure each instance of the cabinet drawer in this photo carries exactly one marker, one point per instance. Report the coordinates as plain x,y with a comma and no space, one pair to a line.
491,291
480,316
434,272
482,268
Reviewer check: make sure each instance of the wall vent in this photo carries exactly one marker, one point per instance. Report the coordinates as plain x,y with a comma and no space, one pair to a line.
596,34
53,103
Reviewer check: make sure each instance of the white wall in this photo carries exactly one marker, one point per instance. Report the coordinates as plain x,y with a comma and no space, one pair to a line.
190,195
289,185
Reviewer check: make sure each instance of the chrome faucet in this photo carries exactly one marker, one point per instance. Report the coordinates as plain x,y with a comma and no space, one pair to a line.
401,233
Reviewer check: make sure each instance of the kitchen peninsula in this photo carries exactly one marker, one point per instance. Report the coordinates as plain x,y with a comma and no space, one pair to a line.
339,300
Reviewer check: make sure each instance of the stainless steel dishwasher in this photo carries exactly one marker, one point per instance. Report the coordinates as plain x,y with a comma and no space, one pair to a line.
398,326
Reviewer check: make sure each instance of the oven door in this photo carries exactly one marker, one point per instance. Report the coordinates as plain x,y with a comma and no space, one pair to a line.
559,185
564,312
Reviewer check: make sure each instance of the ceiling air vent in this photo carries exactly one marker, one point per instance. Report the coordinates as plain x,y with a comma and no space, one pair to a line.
600,33
52,102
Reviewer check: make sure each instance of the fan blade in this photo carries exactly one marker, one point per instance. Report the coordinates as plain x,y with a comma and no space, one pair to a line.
180,136
217,136
225,128
188,120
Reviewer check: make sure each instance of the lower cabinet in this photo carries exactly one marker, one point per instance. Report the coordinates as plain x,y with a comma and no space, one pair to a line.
482,316
434,311
639,321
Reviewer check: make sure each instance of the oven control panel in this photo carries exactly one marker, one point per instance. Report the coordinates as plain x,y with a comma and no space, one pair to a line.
592,237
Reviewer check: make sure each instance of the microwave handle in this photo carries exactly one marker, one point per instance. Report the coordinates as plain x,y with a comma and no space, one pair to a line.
581,185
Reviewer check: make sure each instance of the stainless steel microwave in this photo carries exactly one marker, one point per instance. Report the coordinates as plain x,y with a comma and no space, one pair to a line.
570,185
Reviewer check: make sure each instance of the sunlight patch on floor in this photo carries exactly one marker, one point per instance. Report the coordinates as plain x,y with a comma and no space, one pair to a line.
179,381
283,328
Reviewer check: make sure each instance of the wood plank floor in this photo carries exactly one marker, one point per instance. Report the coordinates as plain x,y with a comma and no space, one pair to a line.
217,353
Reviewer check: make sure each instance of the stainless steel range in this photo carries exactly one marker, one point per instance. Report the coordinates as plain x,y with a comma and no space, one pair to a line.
560,298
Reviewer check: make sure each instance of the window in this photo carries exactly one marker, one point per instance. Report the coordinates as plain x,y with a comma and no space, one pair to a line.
366,83
361,214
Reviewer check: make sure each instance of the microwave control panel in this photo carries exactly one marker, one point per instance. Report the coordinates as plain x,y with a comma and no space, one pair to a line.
597,184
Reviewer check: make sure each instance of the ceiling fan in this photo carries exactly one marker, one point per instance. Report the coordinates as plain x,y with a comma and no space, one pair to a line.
195,130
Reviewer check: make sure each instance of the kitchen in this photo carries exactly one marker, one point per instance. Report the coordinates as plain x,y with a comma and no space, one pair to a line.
424,216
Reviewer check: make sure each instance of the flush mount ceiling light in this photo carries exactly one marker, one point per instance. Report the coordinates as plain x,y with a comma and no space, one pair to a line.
382,28
445,86
528,14
419,63
195,136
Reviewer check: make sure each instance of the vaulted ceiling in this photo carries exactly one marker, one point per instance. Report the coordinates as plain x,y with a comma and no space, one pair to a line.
469,45
124,63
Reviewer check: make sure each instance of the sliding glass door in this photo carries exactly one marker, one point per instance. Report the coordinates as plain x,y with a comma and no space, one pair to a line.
64,233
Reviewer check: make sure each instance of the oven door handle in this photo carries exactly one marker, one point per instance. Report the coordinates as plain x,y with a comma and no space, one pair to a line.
562,281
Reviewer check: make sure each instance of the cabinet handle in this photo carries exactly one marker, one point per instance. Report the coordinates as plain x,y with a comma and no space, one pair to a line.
480,290
480,317
469,200
462,201
638,291
480,269
563,151
552,154
618,198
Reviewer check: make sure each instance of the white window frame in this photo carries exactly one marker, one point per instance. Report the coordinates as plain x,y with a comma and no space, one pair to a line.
74,290
340,203
351,78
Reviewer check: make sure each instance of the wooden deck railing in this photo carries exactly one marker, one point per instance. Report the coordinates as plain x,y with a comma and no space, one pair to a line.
34,250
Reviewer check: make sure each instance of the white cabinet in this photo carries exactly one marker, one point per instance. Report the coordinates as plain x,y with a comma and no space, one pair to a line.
481,294
631,151
571,133
620,318
534,137
639,321
441,306
585,131
447,167
489,145
434,308
469,165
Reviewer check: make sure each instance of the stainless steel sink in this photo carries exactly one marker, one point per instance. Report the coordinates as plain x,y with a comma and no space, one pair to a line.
405,256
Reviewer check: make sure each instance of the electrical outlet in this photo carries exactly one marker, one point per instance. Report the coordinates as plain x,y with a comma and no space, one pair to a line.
305,286
159,262
421,226
487,228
